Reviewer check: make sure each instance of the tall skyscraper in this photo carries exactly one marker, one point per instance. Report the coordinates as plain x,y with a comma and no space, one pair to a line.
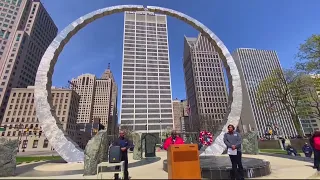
113,123
146,88
26,32
98,99
205,84
254,66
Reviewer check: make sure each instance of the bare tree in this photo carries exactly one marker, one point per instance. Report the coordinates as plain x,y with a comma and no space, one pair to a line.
287,89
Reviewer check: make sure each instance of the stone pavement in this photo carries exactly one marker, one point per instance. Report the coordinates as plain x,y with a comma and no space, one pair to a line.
281,169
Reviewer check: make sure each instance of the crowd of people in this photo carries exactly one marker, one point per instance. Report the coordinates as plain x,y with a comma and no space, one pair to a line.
309,149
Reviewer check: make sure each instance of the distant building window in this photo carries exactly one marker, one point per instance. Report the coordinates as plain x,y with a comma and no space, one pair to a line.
25,143
45,143
18,37
35,144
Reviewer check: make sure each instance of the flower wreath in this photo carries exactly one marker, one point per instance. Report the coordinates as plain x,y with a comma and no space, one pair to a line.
206,138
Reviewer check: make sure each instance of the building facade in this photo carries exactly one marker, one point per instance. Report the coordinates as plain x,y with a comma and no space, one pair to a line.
113,128
254,66
146,102
87,130
205,84
21,123
26,32
180,114
98,99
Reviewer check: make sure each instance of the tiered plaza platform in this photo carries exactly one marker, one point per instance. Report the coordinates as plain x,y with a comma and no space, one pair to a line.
281,168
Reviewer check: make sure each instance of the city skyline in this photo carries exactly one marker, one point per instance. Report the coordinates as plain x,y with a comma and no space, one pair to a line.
110,55
254,29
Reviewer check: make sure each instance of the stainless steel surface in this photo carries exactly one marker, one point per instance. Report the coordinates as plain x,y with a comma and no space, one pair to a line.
68,149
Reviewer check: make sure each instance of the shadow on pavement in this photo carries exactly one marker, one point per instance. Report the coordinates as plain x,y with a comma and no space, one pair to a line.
298,158
144,161
28,170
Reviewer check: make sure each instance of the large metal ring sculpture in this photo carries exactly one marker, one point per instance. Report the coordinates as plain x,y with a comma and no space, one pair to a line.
57,137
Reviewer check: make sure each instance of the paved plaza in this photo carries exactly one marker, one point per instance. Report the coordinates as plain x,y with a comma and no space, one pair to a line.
282,168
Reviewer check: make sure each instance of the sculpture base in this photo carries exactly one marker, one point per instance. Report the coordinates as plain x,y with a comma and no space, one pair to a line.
219,167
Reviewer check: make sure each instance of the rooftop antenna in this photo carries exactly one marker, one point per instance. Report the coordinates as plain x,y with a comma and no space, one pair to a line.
108,65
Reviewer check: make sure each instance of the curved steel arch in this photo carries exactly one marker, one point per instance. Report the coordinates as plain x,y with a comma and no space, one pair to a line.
67,148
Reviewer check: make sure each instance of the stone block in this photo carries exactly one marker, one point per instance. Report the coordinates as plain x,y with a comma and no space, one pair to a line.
250,143
8,153
96,152
137,151
150,145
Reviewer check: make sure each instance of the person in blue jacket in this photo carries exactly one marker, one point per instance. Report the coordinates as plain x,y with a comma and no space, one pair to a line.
307,150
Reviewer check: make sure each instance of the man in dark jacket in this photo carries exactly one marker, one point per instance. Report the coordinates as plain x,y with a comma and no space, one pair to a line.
124,144
307,150
291,151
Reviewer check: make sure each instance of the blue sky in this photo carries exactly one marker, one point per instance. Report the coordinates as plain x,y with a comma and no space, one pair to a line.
279,25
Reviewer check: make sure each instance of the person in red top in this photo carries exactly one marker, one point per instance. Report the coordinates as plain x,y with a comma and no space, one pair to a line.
315,143
173,139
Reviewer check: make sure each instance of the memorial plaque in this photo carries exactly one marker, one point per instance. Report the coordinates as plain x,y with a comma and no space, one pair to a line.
150,145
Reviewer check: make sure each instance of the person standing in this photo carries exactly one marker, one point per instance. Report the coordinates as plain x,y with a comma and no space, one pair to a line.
315,143
312,145
283,140
307,150
173,139
233,141
124,144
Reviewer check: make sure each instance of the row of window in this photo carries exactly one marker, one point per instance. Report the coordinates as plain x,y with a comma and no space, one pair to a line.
132,116
146,60
145,121
154,101
131,35
151,28
145,128
143,44
146,65
140,69
164,106
144,32
144,23
137,111
149,48
150,78
146,74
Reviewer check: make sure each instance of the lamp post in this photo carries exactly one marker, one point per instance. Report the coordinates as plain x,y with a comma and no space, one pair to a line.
160,131
147,128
